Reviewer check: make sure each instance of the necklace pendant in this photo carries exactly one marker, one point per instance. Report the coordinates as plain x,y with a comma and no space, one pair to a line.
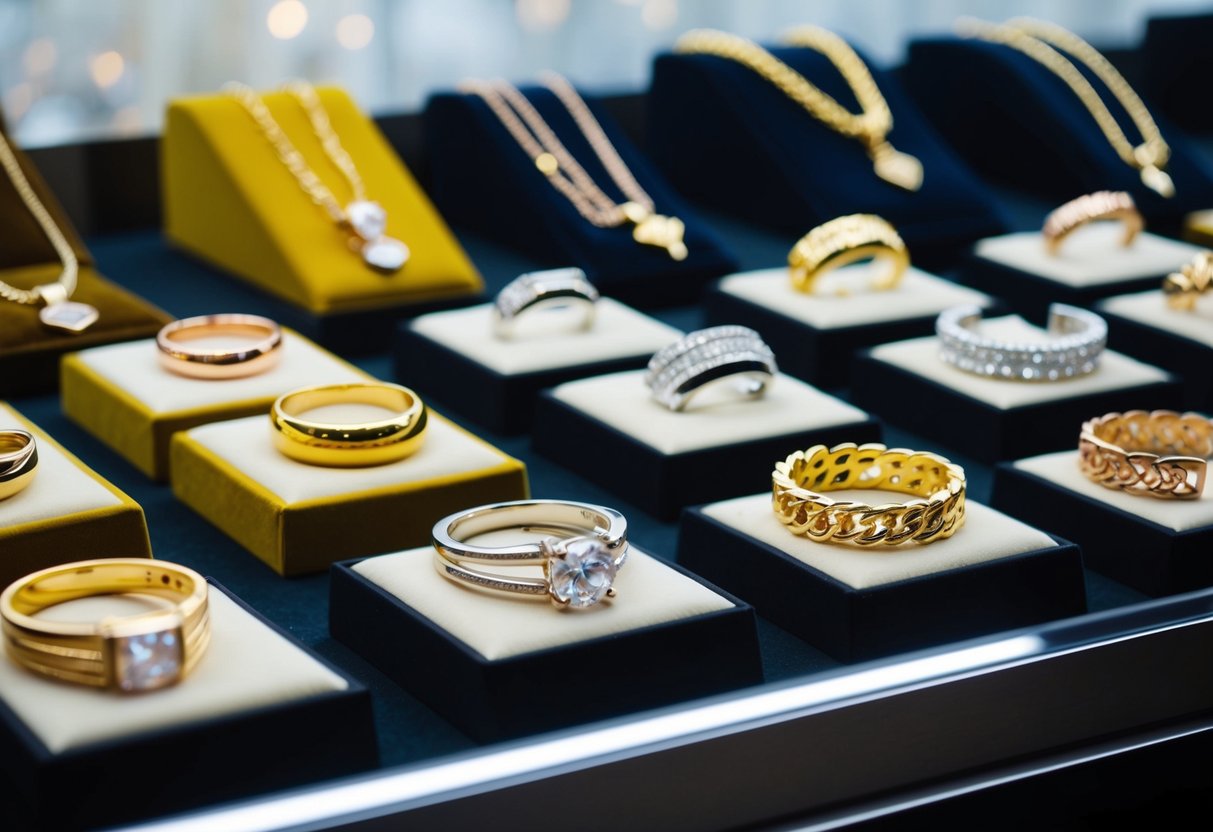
69,316
387,254
369,221
663,232
895,167
1157,180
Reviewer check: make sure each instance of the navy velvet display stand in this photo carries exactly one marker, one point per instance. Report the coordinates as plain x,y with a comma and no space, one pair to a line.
483,181
1019,123
1176,66
731,140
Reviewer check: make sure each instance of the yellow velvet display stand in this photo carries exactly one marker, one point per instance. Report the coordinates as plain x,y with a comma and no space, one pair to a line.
66,513
231,201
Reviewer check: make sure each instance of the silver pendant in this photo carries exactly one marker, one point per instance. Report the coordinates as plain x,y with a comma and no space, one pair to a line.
69,316
369,222
385,253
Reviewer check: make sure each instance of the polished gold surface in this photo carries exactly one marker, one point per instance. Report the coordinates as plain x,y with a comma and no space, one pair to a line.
18,461
1153,454
262,353
799,504
87,653
349,445
845,240
1183,288
1101,205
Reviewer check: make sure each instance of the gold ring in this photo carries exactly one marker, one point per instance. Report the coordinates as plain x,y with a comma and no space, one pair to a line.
349,444
18,461
1151,454
845,240
141,652
1101,205
798,505
260,355
1183,288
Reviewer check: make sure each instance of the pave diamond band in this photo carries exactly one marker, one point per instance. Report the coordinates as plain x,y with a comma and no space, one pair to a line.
554,288
586,547
1078,339
702,358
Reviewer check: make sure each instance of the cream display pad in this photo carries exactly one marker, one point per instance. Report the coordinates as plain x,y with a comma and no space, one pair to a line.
247,666
1150,308
134,368
501,627
1091,256
1061,469
247,446
918,295
59,488
986,535
618,332
622,401
921,357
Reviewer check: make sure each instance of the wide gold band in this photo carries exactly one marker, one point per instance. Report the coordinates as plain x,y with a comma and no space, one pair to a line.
1101,205
798,505
262,353
18,461
355,444
133,653
1183,288
1151,454
846,240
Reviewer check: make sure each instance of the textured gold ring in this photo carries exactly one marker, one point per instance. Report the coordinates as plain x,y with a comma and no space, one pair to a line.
179,356
134,653
1101,205
846,240
1183,288
1151,454
799,505
18,461
349,444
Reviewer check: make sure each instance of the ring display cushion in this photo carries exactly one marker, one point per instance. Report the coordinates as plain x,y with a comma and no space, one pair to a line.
1144,326
230,201
68,512
993,419
455,358
611,431
1017,122
815,335
1156,546
259,712
705,113
485,182
122,395
1175,64
1091,265
854,603
516,666
300,518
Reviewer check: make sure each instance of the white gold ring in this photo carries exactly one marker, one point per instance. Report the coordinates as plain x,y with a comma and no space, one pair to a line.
1078,339
735,354
555,288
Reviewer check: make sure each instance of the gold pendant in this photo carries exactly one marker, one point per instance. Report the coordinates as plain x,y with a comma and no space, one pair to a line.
1157,180
895,167
658,230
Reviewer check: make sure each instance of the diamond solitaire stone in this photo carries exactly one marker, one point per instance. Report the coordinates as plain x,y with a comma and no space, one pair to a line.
148,661
69,315
368,219
583,575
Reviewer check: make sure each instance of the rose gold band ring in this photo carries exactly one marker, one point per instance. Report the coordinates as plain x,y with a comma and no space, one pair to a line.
262,352
1101,205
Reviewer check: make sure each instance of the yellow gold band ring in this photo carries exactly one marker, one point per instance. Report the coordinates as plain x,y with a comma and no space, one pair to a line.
1101,205
134,653
262,353
846,240
349,444
18,461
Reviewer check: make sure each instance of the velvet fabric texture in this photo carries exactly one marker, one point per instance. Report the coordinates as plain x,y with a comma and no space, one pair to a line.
728,138
1176,65
485,182
1016,121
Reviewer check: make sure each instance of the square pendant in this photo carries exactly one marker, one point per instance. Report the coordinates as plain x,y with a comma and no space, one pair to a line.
69,316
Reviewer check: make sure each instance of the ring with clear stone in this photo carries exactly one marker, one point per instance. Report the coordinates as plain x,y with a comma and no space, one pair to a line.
736,355
131,654
584,548
1077,338
554,288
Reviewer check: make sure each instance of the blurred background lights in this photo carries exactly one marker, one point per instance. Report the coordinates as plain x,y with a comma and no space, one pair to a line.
542,15
286,19
355,31
40,57
106,68
659,14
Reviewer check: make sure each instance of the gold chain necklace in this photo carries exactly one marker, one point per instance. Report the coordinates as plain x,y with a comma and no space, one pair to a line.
1042,41
364,217
537,139
59,312
871,125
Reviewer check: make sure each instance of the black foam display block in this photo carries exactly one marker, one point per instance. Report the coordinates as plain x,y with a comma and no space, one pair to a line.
1138,553
491,699
1191,360
662,484
856,624
165,771
503,403
977,429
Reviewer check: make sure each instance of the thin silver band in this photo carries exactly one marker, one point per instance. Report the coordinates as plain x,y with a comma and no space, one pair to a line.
563,518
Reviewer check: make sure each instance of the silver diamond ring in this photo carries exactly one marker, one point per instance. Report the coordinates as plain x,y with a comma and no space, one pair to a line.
560,288
1077,337
735,354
